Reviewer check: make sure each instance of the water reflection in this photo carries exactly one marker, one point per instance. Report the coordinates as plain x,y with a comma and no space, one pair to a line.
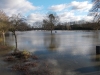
90,69
97,57
72,51
51,41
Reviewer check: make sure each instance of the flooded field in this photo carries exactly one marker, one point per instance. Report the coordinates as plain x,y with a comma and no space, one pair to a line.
67,52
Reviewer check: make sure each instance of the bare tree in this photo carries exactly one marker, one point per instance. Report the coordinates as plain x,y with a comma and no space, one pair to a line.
45,24
96,10
52,19
15,21
4,24
50,22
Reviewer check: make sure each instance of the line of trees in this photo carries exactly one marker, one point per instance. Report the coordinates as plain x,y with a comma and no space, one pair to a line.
82,26
49,23
52,23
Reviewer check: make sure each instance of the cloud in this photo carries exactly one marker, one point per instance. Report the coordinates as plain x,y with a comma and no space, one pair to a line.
59,7
66,12
74,5
88,18
70,17
18,6
81,5
73,11
34,17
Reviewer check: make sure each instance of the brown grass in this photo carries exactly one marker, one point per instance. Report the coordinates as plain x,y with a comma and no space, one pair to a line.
5,47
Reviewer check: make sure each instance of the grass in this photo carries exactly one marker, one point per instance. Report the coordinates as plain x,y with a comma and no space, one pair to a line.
5,47
23,61
27,66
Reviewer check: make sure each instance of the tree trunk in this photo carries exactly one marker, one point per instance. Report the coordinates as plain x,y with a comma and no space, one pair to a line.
4,38
15,41
51,29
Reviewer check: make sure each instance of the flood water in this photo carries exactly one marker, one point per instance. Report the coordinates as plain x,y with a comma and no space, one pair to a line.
68,52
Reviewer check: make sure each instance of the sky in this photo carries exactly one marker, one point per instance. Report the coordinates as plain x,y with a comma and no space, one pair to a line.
36,10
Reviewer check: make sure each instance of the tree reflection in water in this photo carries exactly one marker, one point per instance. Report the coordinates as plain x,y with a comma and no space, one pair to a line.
51,41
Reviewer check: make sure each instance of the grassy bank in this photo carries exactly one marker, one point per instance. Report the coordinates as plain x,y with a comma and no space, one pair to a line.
4,48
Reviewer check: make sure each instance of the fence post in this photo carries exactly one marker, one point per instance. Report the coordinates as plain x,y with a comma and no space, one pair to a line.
97,49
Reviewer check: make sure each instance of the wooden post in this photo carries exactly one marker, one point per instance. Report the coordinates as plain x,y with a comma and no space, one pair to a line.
97,49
